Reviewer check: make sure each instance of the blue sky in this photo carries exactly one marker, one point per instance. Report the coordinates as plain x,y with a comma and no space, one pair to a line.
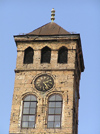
23,16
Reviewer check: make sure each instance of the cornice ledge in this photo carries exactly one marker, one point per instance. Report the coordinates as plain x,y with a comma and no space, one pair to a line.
25,70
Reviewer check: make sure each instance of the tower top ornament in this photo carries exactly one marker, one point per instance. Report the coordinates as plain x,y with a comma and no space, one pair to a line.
52,15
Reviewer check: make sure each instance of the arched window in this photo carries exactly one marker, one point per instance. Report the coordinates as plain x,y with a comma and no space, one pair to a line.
54,111
62,55
45,55
29,111
28,55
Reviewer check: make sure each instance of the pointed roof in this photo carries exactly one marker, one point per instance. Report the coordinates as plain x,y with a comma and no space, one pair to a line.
49,29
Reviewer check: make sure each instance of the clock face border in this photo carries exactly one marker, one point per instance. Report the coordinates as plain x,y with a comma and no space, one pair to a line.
44,82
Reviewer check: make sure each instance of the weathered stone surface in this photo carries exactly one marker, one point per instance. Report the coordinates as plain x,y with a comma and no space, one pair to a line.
64,75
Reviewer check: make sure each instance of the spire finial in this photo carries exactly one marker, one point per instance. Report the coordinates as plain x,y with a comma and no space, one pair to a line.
52,15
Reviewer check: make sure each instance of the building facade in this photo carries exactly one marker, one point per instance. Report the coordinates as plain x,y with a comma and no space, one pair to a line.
47,76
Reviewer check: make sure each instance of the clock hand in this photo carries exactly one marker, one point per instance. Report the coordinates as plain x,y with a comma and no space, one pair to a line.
45,85
48,82
43,88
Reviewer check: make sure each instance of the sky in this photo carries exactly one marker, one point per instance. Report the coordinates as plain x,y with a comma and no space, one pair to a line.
79,16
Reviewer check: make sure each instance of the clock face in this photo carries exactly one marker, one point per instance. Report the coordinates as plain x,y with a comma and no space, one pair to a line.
44,82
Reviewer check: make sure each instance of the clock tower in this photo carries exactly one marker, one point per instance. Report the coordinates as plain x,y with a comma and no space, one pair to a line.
47,76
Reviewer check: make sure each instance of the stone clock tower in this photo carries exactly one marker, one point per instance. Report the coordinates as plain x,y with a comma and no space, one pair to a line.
47,75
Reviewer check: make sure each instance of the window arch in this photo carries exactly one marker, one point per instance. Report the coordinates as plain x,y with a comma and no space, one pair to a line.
54,111
45,55
62,55
29,111
28,55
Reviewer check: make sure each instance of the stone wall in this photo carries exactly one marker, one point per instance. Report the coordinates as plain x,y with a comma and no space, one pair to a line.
64,84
